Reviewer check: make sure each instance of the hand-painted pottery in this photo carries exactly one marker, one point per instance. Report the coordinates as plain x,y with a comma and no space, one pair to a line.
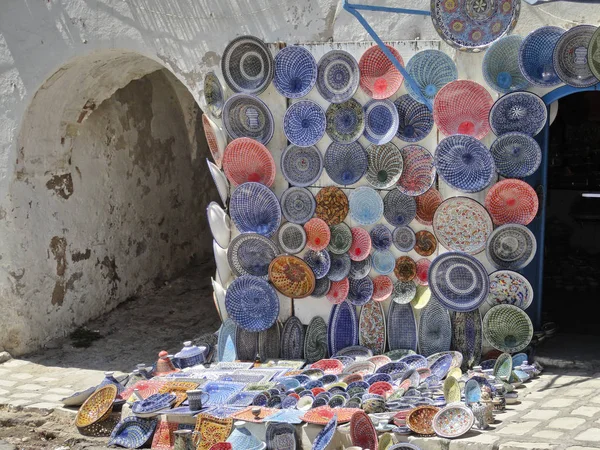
332,205
453,421
521,112
248,116
153,405
301,165
512,201
372,329
404,238
471,25
381,237
345,121
415,121
361,244
379,78
248,415
97,407
164,439
435,329
255,208
317,234
366,205
297,205
501,65
418,173
401,327
340,240
241,438
251,254
360,269
382,288
291,237
508,287
295,71
399,209
422,277
304,123
360,291
247,65
511,246
467,337
269,341
328,366
281,436
426,205
210,430
462,224
570,57
355,351
323,414
248,160
503,367
404,292
472,391
362,431
338,292
406,268
322,287
420,420
252,303
381,121
516,155
345,163
338,76
213,94
319,262
215,139
535,56
291,276
425,243
383,262
451,390
132,432
342,330
340,265
179,389
431,70
593,56
507,328
315,340
385,165
226,341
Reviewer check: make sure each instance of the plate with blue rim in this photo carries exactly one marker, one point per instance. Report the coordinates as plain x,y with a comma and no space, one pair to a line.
338,76
431,70
399,209
247,65
415,121
520,111
304,123
318,261
360,291
570,57
301,165
220,391
345,121
248,116
535,56
295,71
251,254
255,208
500,65
153,405
516,155
381,121
402,327
252,303
345,163
342,330
226,341
298,205
325,435
132,432
435,329
241,399
366,205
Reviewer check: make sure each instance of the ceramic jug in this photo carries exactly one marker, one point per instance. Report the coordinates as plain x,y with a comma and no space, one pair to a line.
183,440
196,399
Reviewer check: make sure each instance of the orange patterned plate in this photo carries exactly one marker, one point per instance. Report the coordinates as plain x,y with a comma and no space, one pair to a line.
420,419
426,243
291,276
210,430
247,416
406,268
179,388
332,205
164,439
97,407
323,414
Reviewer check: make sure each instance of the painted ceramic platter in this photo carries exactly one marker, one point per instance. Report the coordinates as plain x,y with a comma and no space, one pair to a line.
301,166
372,329
420,419
593,56
451,390
404,292
361,244
382,288
381,237
325,436
291,276
467,336
297,205
318,234
404,238
345,121
500,65
472,25
381,121
319,262
383,261
503,366
362,431
435,330
360,291
98,405
342,330
406,268
521,112
385,165
304,123
338,76
511,247
516,155
401,327
512,201
247,65
431,70
366,205
248,160
507,328
453,421
462,224
322,287
535,56
570,56
345,164
251,254
341,239
465,163
255,209
399,209
379,78
220,181
291,238
215,138
315,340
292,339
508,287
252,303
360,269
332,205
472,391
425,243
213,94
219,223
132,432
423,272
418,173
248,116
295,71
338,292
280,436
427,204
458,281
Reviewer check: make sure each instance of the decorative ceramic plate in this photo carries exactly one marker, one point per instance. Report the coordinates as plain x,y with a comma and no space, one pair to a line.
465,163
423,272
295,71
292,339
338,76
511,246
360,269
220,181
362,431
471,25
345,121
292,238
453,421
404,238
415,119
255,209
215,139
328,366
340,265
593,56
132,432
248,116
226,341
269,342
463,225
463,107
507,328
372,330
291,276
503,367
383,261
298,205
361,244
399,209
319,262
521,112
315,340
512,201
213,94
418,174
77,398
318,234
322,287
338,291
570,56
251,254
426,205
153,405
435,329
501,65
247,65
508,287
516,155
382,288
472,391
345,164
385,165
248,160
342,330
246,414
467,337
252,303
280,436
366,205
431,70
451,390
381,121
535,56
404,292
97,407
379,78
420,419
360,291
219,223
381,237
441,363
304,123
211,430
356,352
246,345
301,166
406,268
401,327
332,205
341,239
425,243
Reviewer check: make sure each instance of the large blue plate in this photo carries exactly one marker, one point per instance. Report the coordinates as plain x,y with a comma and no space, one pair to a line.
319,262
247,65
500,66
521,112
431,70
346,164
401,327
339,268
298,205
361,291
301,166
366,205
399,209
516,155
304,123
342,330
345,121
295,72
325,435
381,121
435,329
415,121
252,303
251,254
292,339
220,391
535,56
254,208
132,432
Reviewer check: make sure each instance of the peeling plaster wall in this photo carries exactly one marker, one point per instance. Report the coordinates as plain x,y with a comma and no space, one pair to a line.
51,215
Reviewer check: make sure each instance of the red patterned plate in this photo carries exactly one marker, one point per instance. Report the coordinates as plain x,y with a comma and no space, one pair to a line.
323,414
422,270
406,268
338,291
418,172
382,287
427,204
463,107
164,439
511,201
329,366
248,160
361,244
215,140
426,243
145,388
317,234
382,388
362,431
379,78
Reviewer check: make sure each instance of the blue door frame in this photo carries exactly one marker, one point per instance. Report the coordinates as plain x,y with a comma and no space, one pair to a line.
539,180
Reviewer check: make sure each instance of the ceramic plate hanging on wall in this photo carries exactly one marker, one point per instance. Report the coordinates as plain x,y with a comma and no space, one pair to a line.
248,116
345,164
385,165
304,123
291,276
345,121
342,330
215,138
255,209
570,56
467,336
535,56
507,328
338,76
366,205
404,238
511,246
213,94
522,112
340,264
372,330
379,78
402,327
512,201
435,329
381,121
501,65
252,303
406,268
418,173
332,205
508,287
292,339
315,340
248,160
247,65
427,204
594,54
516,155
431,70
301,165
295,71
251,254
291,238
399,209
297,205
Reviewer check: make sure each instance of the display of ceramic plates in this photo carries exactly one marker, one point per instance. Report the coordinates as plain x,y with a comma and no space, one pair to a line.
366,205
215,138
435,330
399,209
248,116
338,291
522,112
304,123
295,71
431,70
291,238
338,76
381,121
301,166
418,174
360,269
467,337
315,340
458,281
535,56
248,160
255,209
213,94
501,65
406,268
462,224
281,436
251,254
332,205
570,57
404,292
453,421
317,234
465,163
219,223
512,201
372,330
247,65
98,405
404,238
381,237
507,328
132,432
298,205
511,246
345,164
508,287
220,181
385,165
252,303
340,266
382,288
423,272
291,276
361,244
322,287
342,330
415,121
325,436
345,121
516,155
361,291
341,239
427,204
379,78
319,262
425,243
593,56
472,25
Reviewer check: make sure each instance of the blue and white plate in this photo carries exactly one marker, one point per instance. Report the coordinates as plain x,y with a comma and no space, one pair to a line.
415,121
339,268
295,72
402,327
241,399
220,391
345,121
570,57
251,254
132,432
399,209
516,155
404,238
319,262
153,405
535,56
511,246
338,76
381,121
346,163
304,123
325,435
247,65
298,205
226,342
366,205
435,330
385,165
521,112
301,166
360,269
361,291
500,65
441,366
252,303
255,209
248,116
464,163
291,238
383,262
381,237
431,70
342,330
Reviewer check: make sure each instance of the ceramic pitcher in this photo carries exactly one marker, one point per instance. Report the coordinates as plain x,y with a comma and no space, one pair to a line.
183,440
